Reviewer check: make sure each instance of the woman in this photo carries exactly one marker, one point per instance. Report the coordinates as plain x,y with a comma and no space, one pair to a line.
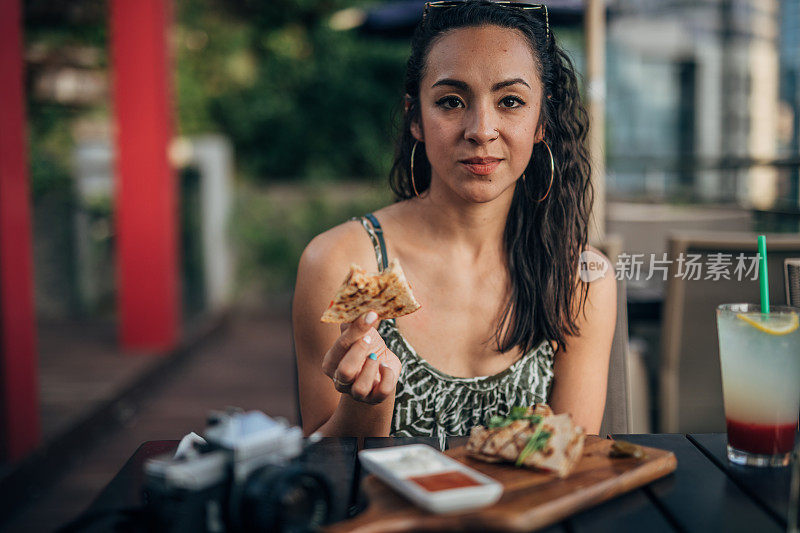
489,238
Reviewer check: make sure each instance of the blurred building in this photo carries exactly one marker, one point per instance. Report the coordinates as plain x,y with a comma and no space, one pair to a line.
703,99
790,76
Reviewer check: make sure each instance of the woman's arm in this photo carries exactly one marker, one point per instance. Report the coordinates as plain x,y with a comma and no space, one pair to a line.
581,366
325,351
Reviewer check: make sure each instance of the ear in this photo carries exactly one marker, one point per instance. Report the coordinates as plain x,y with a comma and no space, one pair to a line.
539,137
416,131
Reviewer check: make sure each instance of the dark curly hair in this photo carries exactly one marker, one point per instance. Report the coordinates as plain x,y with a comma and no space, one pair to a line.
543,240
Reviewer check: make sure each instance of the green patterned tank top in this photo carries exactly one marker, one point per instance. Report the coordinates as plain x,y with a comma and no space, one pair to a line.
430,403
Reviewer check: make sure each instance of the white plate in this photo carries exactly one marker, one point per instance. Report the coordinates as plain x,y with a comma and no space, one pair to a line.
395,465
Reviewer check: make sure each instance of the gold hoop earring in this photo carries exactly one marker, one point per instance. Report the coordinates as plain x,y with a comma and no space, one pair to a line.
552,171
413,184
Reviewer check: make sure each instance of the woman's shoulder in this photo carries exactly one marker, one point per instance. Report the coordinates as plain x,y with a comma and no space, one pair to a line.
594,264
597,253
597,271
331,253
323,266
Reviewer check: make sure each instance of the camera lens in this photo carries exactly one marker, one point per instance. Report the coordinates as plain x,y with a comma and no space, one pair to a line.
285,498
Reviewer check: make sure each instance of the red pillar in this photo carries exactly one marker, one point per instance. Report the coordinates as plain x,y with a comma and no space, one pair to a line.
146,200
19,415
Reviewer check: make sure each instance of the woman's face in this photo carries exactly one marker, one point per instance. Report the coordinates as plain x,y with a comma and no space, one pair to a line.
479,102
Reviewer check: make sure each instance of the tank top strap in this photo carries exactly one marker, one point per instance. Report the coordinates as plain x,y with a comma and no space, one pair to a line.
375,233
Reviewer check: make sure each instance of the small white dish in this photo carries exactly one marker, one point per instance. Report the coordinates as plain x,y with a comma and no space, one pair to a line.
408,469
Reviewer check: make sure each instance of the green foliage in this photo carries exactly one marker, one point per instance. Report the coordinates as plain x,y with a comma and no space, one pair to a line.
50,145
58,24
49,29
273,226
297,98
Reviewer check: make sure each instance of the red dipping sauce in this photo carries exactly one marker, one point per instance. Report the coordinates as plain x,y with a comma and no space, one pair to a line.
444,481
764,439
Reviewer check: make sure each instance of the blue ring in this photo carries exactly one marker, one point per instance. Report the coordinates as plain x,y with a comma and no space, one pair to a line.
373,356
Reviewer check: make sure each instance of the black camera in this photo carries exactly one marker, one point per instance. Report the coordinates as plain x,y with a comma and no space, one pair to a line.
247,476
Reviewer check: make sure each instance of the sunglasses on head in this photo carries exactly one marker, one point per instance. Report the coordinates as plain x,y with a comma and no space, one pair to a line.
512,5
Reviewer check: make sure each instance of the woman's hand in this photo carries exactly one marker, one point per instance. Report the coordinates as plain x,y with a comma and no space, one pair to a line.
360,364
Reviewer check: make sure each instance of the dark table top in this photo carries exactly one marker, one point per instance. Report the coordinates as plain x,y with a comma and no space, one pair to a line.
705,493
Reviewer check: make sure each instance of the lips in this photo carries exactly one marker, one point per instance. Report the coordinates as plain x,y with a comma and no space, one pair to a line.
481,166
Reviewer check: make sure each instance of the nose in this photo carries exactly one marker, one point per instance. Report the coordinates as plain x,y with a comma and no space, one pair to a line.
481,124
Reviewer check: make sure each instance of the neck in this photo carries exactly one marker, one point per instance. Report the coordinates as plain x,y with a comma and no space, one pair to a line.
467,228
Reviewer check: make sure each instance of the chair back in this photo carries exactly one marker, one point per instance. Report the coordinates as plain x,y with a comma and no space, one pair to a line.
791,273
617,414
690,396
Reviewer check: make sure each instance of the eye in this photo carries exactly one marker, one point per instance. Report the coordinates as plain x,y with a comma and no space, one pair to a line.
511,102
450,102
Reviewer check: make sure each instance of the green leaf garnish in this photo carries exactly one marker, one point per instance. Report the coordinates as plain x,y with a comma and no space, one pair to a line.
518,412
498,421
537,442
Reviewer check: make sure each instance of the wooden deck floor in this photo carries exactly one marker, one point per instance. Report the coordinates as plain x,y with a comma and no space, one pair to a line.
248,365
80,366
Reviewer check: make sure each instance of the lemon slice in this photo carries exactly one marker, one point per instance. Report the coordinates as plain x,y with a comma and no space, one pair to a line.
772,324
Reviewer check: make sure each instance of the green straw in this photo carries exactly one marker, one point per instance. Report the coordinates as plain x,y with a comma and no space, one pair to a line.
762,273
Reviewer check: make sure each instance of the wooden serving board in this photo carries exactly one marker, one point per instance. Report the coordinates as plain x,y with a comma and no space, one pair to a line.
530,500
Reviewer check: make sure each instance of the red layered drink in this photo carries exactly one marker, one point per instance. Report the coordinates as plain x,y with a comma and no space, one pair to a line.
760,362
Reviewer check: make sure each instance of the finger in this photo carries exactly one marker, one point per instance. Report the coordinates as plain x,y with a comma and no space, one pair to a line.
362,386
344,388
350,365
384,360
377,375
344,326
387,385
355,331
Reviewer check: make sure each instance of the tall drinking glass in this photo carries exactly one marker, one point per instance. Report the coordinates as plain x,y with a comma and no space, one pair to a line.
760,361
794,493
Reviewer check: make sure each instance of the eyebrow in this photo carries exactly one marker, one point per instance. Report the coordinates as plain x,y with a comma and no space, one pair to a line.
464,87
